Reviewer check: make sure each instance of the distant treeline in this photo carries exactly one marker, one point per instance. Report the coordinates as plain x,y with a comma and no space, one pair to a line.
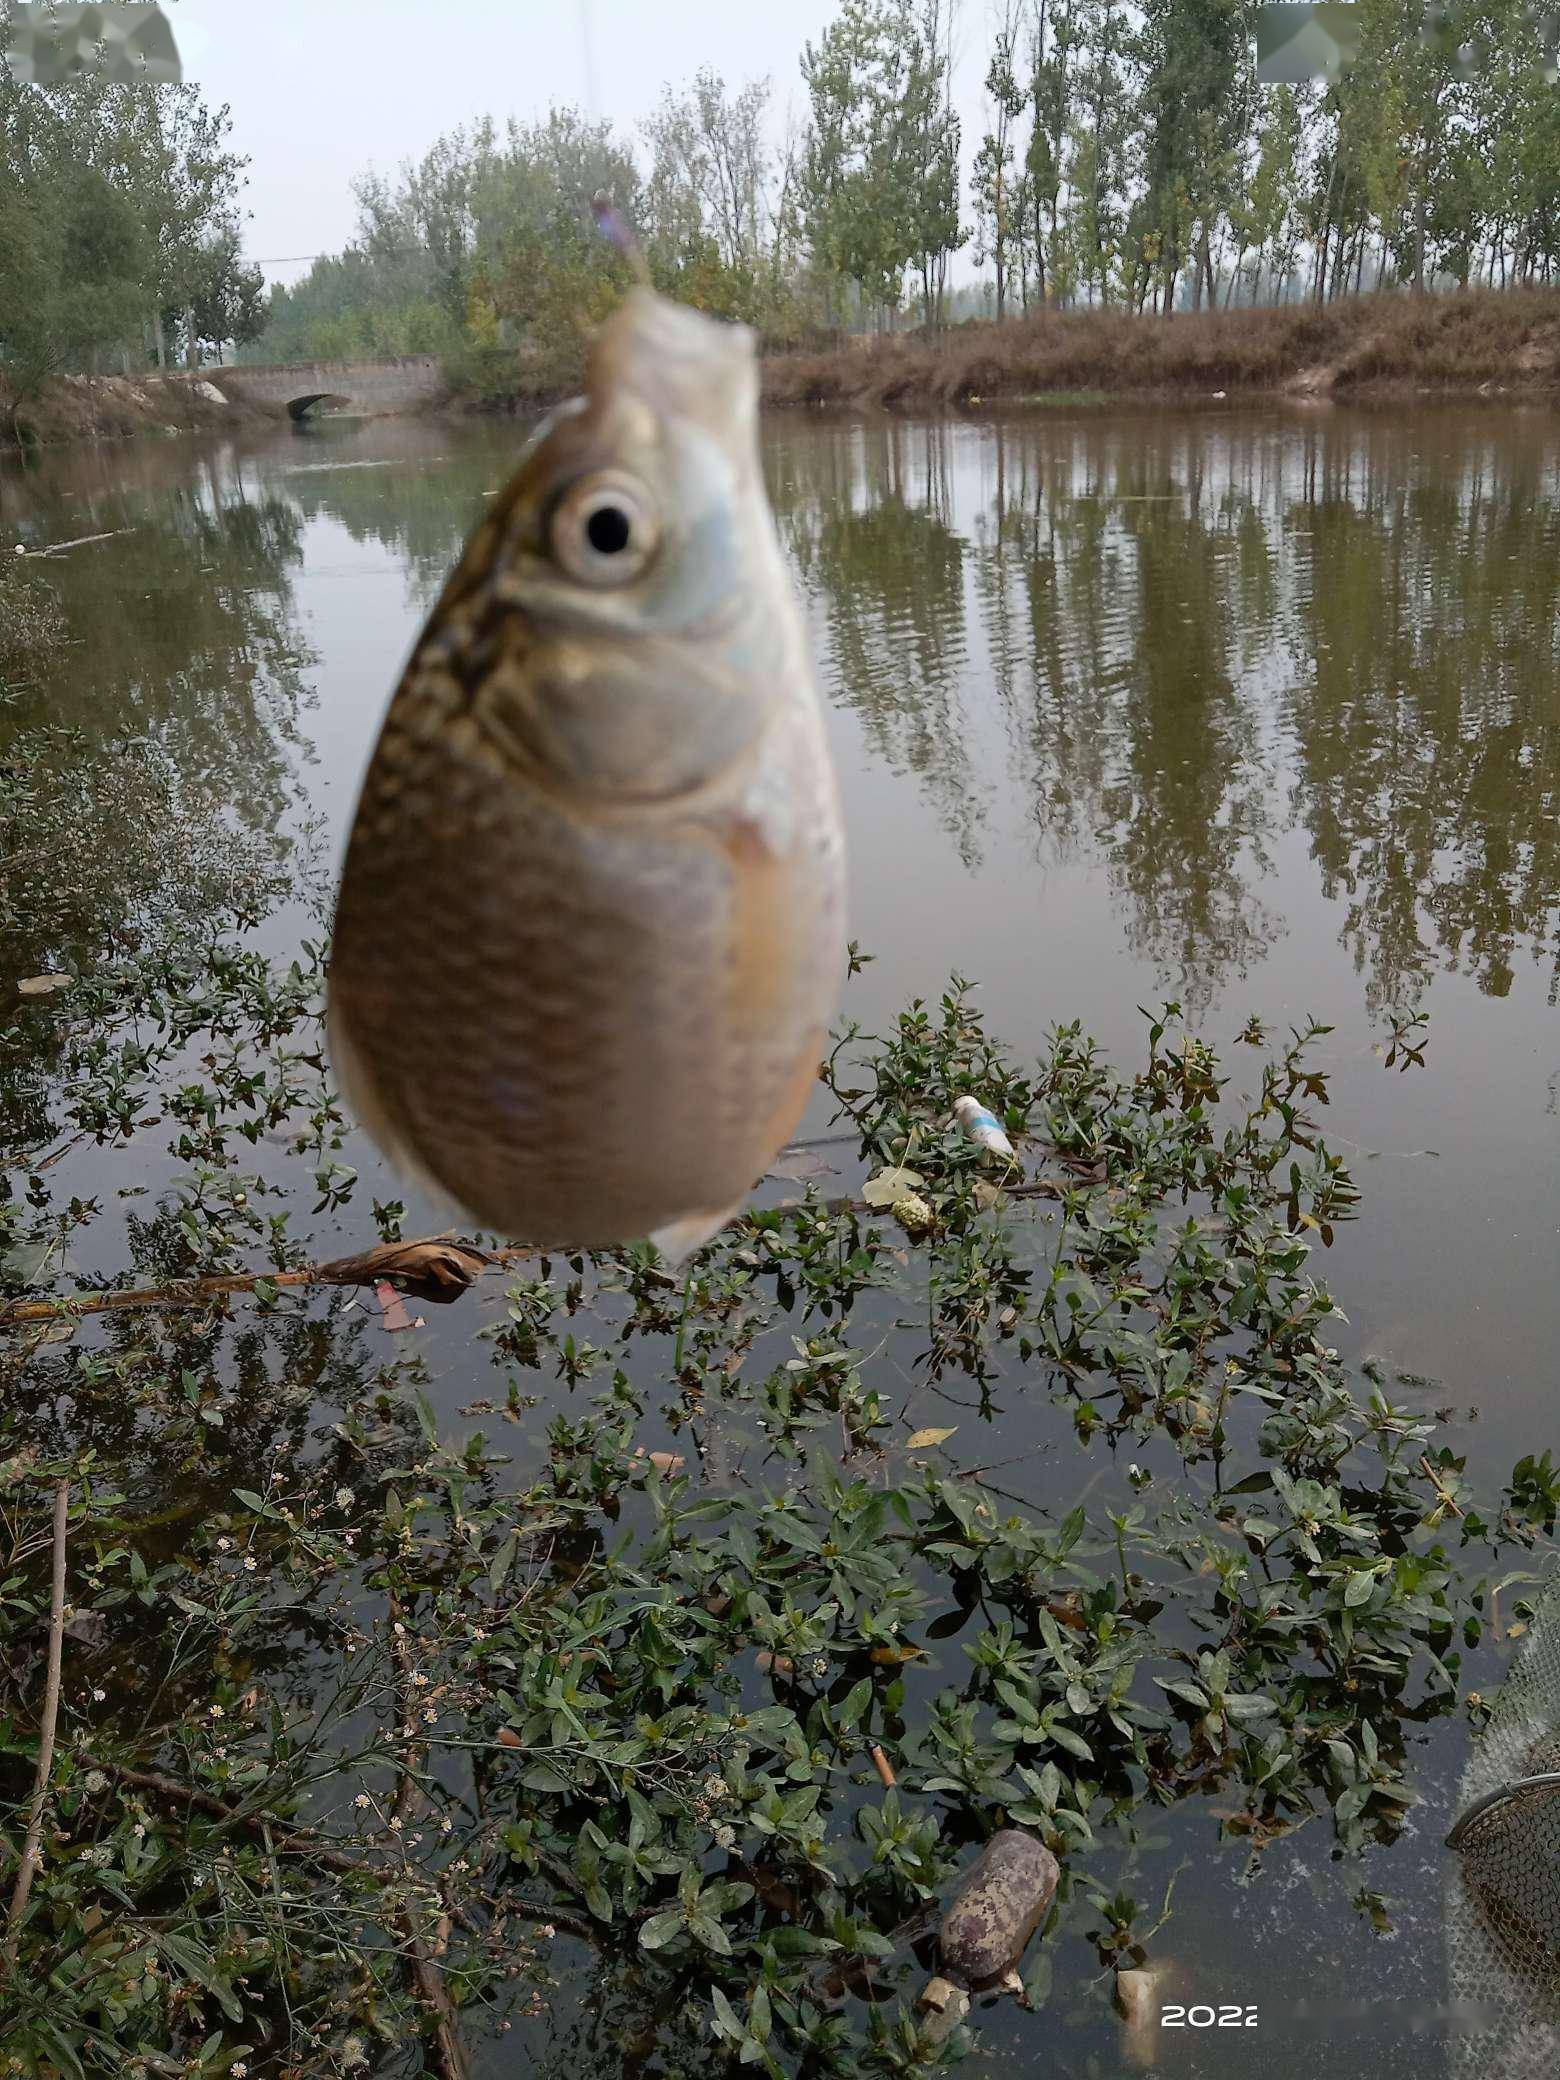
1130,160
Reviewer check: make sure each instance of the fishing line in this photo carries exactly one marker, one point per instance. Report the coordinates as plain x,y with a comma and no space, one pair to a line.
588,53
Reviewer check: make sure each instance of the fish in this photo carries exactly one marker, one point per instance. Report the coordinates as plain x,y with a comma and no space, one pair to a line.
589,935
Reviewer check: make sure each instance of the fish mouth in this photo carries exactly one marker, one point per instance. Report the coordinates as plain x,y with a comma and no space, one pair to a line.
678,360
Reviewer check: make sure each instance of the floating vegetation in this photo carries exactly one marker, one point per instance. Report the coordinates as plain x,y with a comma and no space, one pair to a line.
716,1655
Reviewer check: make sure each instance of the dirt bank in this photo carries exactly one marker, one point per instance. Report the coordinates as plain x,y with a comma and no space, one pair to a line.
107,407
1474,341
1478,341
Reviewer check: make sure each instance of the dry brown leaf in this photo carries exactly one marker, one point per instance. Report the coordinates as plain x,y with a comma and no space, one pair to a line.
43,985
437,1266
921,1439
663,1462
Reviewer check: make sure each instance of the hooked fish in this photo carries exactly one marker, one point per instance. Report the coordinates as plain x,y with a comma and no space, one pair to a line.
589,936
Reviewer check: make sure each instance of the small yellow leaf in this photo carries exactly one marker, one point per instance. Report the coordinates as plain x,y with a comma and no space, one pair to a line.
921,1438
890,1185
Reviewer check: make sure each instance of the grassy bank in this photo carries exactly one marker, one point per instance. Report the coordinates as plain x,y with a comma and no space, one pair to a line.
1507,340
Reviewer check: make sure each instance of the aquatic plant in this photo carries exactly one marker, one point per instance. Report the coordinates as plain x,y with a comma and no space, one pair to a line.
716,1658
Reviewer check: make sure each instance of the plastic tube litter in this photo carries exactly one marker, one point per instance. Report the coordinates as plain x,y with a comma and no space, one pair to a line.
982,1127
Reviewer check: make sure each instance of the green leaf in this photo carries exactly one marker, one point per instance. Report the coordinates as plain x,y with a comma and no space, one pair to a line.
759,2016
854,1703
661,1929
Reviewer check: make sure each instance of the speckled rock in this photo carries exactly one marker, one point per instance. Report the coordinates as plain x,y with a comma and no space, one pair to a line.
997,1909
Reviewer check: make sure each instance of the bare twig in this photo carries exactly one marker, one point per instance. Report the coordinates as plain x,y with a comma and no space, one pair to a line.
409,1797
307,1841
1448,1500
46,1726
80,541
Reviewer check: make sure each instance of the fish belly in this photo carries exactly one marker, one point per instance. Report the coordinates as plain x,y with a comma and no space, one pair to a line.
584,1028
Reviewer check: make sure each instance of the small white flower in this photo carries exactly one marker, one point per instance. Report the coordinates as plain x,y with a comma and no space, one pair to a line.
361,1800
95,1781
345,1498
250,1563
224,1545
419,1680
215,1711
98,1696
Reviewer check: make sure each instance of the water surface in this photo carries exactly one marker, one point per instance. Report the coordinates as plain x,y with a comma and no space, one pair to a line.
1255,709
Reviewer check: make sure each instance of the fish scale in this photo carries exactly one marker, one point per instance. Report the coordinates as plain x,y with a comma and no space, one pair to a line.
590,931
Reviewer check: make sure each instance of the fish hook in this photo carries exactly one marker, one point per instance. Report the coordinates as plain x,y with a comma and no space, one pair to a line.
612,224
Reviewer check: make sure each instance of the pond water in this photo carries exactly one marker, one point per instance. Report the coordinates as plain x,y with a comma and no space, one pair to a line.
1255,709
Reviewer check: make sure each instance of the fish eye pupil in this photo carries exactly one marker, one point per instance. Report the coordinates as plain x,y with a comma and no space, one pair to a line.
608,530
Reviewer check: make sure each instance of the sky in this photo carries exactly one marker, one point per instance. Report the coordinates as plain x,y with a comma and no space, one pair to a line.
319,93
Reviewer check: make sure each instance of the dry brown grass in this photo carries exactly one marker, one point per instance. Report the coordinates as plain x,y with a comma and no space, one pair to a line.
72,408
1502,338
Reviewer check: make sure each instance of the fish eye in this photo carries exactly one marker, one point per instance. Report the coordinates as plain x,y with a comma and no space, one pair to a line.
604,530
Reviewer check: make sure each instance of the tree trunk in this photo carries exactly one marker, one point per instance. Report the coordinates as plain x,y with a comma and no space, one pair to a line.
158,342
191,347
1421,205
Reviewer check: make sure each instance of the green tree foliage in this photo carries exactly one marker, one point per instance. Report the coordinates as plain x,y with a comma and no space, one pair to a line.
1129,159
120,232
995,191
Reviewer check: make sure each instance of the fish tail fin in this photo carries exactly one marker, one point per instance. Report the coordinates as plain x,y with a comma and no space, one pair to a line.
677,1241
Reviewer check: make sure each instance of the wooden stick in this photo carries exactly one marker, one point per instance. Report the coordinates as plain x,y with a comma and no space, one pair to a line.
46,1726
398,1259
374,1264
81,541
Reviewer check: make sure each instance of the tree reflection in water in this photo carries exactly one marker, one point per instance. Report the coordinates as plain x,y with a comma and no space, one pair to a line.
1184,638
